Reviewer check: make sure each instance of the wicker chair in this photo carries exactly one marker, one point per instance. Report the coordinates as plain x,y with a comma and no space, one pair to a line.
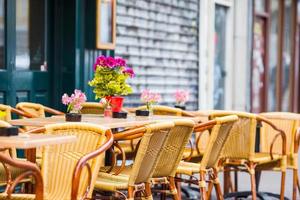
10,172
220,129
12,152
129,146
156,140
289,122
35,110
166,110
92,108
69,171
239,151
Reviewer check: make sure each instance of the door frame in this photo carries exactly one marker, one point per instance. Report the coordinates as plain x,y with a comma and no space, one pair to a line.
293,73
207,53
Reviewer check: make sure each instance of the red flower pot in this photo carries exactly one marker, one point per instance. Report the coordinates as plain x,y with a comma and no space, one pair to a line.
116,103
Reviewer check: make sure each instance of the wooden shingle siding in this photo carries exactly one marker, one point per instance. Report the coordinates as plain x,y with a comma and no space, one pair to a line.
159,38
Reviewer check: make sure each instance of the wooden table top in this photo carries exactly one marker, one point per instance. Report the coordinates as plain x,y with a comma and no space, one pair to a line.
28,141
98,119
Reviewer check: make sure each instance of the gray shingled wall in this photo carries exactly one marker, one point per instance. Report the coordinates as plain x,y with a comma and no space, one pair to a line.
159,38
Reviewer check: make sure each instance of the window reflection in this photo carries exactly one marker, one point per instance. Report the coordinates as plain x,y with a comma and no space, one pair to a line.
273,56
219,65
286,62
30,30
260,5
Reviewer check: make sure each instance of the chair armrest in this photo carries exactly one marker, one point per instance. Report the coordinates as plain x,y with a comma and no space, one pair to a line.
199,135
280,133
130,133
22,113
188,158
118,171
187,114
297,141
53,111
32,170
83,162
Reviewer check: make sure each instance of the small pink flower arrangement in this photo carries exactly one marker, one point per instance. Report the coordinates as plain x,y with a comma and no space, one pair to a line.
150,98
181,96
74,102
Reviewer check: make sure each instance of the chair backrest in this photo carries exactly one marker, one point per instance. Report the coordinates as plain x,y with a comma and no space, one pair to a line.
92,108
35,109
7,112
241,141
59,161
149,151
172,151
288,122
218,137
163,110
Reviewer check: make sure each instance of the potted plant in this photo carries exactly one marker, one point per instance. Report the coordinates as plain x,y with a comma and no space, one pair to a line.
74,103
181,97
109,82
149,98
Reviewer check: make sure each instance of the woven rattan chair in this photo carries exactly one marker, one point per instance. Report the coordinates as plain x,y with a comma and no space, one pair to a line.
129,146
155,142
166,110
289,122
7,110
92,108
239,151
69,171
172,154
220,129
35,110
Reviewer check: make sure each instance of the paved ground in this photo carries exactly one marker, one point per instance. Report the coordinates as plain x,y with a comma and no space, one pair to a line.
270,182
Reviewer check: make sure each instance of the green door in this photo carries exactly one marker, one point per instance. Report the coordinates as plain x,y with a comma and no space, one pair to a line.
24,73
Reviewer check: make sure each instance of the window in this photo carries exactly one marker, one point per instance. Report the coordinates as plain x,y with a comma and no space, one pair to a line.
30,35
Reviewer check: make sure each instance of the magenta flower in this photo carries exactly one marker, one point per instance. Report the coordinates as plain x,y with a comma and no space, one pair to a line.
129,71
120,62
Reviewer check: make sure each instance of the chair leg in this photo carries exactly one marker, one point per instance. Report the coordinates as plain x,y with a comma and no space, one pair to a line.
202,185
295,182
298,184
148,193
131,193
215,180
253,183
209,190
173,188
178,187
282,185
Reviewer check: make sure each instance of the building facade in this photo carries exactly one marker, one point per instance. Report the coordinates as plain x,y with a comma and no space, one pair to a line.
229,54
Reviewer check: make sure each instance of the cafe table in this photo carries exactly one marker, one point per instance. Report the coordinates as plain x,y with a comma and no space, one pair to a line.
29,142
111,123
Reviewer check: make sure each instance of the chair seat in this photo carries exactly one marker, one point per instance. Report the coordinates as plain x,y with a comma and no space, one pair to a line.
262,158
110,182
188,168
3,196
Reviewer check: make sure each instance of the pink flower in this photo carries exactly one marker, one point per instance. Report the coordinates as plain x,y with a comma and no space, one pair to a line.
181,96
65,99
75,101
150,97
